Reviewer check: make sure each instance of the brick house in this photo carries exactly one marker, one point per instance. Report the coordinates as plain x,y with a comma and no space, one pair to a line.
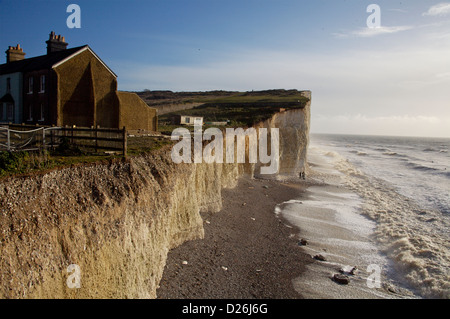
68,87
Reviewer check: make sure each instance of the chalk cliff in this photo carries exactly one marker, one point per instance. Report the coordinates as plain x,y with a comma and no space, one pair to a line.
293,128
116,220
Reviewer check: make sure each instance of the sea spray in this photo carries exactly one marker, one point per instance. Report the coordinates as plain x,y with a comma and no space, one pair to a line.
412,230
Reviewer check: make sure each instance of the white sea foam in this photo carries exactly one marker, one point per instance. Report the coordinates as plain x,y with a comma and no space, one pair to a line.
413,234
329,217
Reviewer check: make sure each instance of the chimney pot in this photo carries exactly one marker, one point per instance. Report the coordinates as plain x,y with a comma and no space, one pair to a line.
56,43
14,54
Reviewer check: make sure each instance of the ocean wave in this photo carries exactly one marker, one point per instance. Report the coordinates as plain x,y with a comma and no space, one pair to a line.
332,154
415,242
421,167
361,153
427,169
430,149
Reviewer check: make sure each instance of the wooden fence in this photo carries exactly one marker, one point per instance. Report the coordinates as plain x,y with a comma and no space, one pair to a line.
27,137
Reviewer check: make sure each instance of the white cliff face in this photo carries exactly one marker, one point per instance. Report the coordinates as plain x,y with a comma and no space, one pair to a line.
117,221
293,128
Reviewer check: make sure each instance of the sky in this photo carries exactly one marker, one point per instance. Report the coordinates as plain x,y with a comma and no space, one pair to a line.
393,79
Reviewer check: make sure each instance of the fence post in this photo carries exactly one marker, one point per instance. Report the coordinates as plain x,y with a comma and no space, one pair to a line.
9,140
51,139
96,136
43,138
124,132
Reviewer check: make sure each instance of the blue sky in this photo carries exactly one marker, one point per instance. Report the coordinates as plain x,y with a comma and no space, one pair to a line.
393,80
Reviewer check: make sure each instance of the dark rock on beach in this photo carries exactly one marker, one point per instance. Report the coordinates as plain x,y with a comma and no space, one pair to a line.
341,279
303,242
320,258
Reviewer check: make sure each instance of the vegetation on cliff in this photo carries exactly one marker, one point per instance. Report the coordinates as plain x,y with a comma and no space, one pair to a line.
29,162
157,98
239,109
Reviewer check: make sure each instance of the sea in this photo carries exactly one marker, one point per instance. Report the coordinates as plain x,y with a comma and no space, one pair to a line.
377,201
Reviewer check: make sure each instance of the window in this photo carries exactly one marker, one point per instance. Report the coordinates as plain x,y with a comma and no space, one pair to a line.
10,112
30,112
42,111
30,85
42,84
187,120
8,85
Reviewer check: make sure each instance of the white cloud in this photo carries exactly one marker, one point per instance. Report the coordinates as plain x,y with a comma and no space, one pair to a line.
443,76
371,32
440,9
398,10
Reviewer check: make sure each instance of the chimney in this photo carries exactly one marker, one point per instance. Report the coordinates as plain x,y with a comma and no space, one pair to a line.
14,54
55,43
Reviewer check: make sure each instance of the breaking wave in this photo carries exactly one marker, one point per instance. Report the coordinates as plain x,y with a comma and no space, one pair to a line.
404,186
414,238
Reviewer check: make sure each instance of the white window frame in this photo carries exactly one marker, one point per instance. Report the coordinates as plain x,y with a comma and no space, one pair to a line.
30,85
30,112
42,113
42,84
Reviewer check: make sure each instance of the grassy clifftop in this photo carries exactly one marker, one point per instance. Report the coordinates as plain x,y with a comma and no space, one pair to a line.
158,98
238,108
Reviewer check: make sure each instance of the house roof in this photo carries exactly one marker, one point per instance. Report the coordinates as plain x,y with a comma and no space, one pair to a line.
47,61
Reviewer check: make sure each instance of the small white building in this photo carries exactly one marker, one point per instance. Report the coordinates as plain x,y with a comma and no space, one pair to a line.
189,120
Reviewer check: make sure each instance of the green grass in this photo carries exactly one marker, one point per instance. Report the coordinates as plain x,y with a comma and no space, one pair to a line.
155,98
249,97
20,162
17,163
241,111
145,144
